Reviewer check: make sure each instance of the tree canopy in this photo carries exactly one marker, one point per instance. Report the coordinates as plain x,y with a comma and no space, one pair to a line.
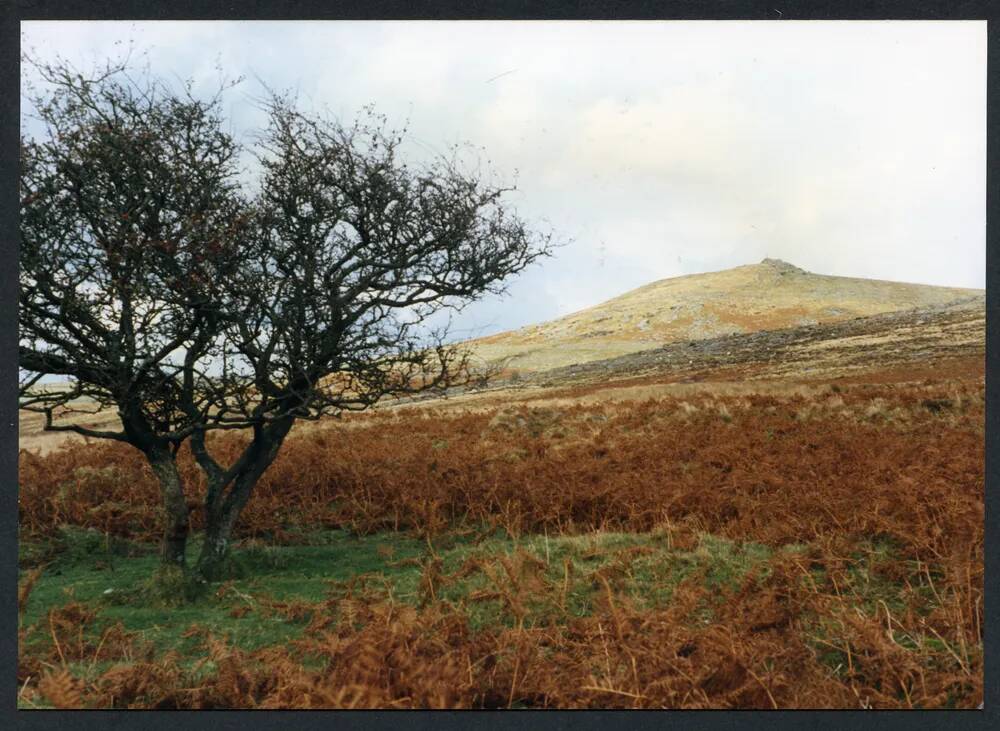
158,278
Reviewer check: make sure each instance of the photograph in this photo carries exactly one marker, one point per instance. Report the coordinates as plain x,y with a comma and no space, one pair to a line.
501,364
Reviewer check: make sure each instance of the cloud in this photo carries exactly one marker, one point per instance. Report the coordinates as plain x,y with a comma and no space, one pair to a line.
658,148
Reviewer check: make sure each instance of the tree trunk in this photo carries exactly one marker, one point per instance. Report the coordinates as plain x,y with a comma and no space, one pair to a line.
223,510
176,522
215,549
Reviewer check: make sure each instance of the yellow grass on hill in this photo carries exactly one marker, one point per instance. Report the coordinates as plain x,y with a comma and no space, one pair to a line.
766,296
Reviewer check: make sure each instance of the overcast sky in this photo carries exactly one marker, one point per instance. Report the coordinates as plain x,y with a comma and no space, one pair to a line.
657,148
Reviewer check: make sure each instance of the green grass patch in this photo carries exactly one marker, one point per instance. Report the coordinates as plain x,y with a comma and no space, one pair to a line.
493,579
530,580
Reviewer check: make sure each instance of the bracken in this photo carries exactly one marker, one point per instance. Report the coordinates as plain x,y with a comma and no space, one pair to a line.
873,466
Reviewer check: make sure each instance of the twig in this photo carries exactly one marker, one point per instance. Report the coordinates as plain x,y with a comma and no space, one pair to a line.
52,631
948,647
767,690
513,680
97,652
20,693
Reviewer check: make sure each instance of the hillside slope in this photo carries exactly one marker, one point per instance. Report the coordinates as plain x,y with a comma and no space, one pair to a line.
770,295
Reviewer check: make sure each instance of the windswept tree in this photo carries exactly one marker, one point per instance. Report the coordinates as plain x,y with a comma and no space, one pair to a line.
131,218
155,283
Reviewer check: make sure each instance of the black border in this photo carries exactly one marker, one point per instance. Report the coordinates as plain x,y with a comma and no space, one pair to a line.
773,10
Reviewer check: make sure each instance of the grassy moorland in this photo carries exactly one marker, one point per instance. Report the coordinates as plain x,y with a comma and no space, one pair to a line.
817,547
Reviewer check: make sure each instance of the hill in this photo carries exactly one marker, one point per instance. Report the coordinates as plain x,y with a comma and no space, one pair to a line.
766,321
771,295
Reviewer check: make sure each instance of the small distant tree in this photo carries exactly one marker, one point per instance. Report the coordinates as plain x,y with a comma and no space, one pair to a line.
486,373
156,283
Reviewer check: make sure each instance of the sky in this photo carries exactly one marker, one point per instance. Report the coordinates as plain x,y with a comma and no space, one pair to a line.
650,149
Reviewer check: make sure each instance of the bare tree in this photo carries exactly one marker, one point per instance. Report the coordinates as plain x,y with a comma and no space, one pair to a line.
486,373
155,284
130,219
